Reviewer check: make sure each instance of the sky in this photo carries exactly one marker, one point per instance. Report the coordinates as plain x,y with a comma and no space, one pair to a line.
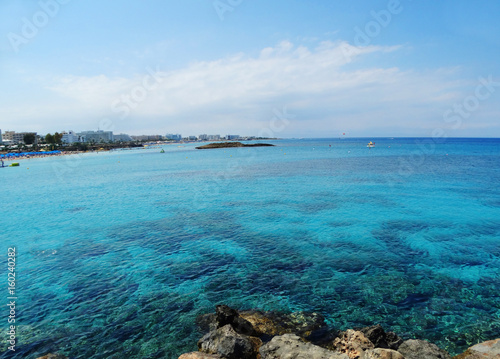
281,68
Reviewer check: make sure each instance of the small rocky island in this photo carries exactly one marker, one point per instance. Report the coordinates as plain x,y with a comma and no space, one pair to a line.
232,144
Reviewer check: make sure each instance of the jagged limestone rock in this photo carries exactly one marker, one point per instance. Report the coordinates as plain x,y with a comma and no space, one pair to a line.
199,355
421,349
381,353
353,343
229,344
484,350
291,346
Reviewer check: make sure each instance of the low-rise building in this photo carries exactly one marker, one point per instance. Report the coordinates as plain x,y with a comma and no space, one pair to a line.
172,137
99,136
14,137
70,137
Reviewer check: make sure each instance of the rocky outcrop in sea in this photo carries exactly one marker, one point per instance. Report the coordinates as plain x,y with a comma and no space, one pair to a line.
253,334
232,144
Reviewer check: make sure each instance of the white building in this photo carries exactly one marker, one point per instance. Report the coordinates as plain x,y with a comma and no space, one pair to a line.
203,137
99,136
214,137
70,137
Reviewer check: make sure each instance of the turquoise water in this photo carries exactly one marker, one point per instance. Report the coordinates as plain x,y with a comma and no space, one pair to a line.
119,252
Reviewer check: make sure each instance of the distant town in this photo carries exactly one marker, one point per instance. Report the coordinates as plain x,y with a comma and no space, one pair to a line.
89,140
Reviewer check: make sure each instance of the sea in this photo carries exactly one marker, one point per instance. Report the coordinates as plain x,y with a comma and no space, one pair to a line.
117,253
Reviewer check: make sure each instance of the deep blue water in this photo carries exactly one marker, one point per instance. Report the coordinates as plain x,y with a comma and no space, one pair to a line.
119,252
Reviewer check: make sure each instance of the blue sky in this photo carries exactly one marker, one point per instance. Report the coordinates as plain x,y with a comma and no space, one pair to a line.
284,68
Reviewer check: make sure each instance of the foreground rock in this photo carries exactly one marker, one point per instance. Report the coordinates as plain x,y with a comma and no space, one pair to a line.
229,344
291,346
232,144
381,353
421,349
225,315
301,335
267,324
485,350
380,338
199,355
353,344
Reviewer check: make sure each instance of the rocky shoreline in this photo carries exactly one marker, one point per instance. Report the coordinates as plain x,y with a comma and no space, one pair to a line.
268,335
254,334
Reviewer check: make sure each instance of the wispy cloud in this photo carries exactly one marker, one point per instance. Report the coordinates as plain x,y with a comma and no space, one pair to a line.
325,88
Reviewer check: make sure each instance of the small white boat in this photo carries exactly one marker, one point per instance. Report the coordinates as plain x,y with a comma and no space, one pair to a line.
370,144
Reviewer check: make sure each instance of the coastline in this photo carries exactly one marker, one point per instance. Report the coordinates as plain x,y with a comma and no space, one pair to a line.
9,160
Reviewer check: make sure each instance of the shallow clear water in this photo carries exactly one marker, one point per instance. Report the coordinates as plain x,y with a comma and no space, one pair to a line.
119,252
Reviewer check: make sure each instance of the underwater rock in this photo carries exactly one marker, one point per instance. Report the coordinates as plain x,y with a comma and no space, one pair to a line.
485,350
380,338
265,324
291,346
229,344
421,349
199,355
53,356
353,343
262,324
303,324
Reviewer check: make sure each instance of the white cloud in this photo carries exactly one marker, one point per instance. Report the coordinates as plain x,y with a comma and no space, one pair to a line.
325,87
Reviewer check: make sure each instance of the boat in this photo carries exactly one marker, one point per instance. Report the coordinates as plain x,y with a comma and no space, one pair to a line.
14,164
370,144
162,151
